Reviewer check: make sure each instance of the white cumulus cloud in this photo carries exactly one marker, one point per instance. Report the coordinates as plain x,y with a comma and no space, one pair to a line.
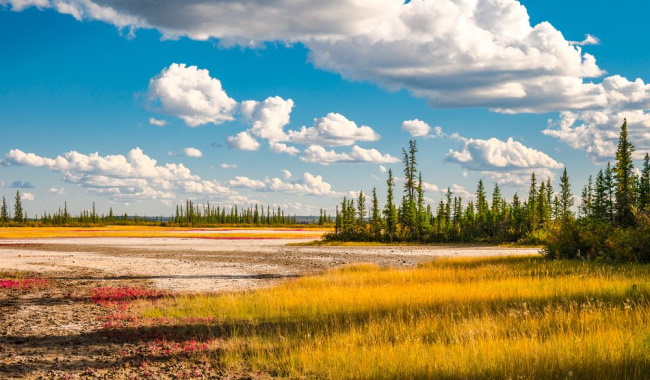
419,128
269,117
192,152
191,94
497,155
333,130
240,181
283,148
320,155
243,141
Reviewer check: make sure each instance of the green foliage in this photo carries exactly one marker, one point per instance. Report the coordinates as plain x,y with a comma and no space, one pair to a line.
625,179
18,209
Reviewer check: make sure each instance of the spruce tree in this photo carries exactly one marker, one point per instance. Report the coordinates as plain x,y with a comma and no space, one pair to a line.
482,208
588,199
644,185
375,218
625,179
361,210
566,197
18,209
390,212
4,212
531,209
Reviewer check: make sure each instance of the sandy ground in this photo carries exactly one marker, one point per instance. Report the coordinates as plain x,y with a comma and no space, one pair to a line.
56,332
199,265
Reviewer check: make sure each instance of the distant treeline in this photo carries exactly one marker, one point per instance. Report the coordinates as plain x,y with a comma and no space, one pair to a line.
189,214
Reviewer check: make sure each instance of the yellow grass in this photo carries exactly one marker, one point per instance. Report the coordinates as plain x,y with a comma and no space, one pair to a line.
153,231
520,317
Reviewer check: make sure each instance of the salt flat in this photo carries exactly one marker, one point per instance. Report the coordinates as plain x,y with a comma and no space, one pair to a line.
200,264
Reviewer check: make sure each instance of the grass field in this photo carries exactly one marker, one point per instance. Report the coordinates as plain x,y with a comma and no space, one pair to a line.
171,232
521,317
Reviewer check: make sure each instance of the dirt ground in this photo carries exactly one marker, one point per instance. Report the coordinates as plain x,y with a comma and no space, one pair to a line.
55,331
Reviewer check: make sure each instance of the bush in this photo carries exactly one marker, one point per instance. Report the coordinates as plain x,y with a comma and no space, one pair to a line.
597,240
563,241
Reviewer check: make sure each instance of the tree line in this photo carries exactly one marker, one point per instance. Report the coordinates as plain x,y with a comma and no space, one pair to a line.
189,214
485,219
613,220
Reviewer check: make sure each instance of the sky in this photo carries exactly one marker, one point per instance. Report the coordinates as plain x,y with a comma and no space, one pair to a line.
140,105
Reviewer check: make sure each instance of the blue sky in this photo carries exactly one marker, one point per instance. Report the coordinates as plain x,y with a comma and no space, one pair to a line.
509,90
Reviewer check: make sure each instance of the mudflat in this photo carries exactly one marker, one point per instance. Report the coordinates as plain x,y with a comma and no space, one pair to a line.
57,331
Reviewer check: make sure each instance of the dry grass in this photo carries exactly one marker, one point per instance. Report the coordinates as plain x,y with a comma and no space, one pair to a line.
152,231
521,317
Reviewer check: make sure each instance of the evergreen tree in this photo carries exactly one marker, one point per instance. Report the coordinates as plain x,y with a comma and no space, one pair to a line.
361,211
531,209
566,197
625,179
644,185
422,214
588,199
4,212
390,212
18,209
482,208
610,193
375,218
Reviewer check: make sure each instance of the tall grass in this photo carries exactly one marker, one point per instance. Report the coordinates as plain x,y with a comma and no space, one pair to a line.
522,317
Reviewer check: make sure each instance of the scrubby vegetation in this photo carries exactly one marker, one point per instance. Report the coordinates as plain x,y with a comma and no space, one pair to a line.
521,317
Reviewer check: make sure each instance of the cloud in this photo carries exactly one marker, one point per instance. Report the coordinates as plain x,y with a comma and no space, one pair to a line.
309,184
508,163
157,122
243,141
27,196
228,166
54,190
597,132
453,53
190,94
333,130
135,176
497,155
318,154
283,148
268,118
246,182
21,185
382,169
192,152
589,40
418,128
430,187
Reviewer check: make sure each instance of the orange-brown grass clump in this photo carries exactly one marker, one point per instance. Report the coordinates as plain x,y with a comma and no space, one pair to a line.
521,317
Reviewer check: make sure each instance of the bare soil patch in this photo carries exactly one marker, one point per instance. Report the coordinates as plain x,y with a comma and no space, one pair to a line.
56,331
